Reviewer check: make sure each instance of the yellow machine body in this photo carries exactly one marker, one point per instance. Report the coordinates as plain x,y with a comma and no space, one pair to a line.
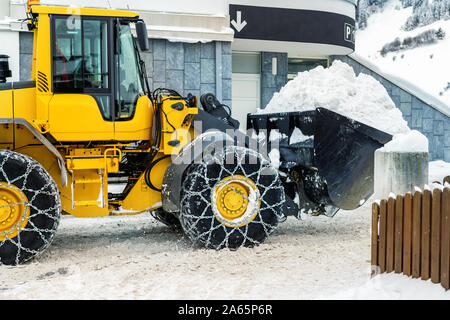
90,144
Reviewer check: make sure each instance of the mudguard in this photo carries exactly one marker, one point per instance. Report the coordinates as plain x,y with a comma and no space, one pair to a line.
44,141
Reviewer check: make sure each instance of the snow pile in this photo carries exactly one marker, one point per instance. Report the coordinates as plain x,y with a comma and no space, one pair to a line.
276,135
274,156
338,89
438,170
297,136
412,141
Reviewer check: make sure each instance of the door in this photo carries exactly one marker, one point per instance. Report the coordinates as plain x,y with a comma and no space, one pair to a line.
81,107
246,96
134,112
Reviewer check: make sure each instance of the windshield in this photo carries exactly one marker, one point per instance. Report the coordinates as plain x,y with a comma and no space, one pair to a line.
129,76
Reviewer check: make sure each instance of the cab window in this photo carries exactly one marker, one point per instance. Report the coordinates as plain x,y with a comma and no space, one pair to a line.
130,88
81,60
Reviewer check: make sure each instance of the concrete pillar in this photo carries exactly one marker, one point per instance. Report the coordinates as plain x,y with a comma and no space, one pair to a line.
399,172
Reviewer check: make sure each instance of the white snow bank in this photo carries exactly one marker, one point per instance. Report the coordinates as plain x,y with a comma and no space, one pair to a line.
438,170
412,141
338,89
394,287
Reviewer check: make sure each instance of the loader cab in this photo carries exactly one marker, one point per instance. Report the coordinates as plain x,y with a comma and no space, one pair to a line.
97,82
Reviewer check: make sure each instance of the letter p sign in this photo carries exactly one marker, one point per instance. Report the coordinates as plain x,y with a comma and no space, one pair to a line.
349,33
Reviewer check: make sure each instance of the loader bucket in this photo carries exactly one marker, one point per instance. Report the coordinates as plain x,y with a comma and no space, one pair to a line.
344,154
339,155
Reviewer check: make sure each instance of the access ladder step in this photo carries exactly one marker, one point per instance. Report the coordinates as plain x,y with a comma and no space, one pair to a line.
85,181
87,203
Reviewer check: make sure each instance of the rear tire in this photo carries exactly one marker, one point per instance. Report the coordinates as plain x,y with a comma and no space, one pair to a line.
229,204
30,210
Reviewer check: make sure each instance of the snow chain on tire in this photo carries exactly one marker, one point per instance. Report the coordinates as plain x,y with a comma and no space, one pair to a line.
199,216
39,219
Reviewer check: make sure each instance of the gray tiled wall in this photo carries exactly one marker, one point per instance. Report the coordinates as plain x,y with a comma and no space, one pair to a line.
272,83
420,116
26,55
190,67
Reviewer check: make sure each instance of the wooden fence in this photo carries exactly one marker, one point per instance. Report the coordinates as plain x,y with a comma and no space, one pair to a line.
411,235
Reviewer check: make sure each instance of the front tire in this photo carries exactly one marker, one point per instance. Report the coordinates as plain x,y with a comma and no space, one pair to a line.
30,208
167,218
233,199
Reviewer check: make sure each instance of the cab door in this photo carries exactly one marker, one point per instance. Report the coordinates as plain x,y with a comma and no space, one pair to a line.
82,72
134,111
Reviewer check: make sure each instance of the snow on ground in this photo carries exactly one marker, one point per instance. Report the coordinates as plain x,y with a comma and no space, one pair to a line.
393,287
423,66
136,257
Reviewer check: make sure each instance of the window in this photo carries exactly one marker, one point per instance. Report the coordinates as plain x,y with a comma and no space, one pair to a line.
246,62
130,88
95,53
296,65
81,59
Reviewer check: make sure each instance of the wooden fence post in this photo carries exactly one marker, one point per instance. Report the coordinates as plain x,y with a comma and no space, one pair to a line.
390,234
436,237
426,228
398,248
374,249
382,238
416,235
445,252
407,233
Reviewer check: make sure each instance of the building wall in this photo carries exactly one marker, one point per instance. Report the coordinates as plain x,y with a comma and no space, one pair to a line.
26,55
195,68
420,116
271,83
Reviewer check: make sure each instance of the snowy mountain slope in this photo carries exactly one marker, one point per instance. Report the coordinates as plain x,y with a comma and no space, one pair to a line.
427,66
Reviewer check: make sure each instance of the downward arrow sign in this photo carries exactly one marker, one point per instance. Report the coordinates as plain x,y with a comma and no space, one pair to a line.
239,25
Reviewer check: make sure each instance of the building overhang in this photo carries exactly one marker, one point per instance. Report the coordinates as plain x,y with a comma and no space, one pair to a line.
183,27
292,48
310,29
318,28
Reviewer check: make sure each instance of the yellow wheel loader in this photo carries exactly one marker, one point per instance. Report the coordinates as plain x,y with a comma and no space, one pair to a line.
88,122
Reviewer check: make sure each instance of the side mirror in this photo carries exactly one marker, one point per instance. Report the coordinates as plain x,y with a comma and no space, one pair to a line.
142,36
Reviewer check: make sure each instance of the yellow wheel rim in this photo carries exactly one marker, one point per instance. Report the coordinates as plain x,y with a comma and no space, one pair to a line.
14,212
236,201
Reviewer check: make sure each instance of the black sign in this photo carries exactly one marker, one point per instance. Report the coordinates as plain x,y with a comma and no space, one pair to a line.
292,25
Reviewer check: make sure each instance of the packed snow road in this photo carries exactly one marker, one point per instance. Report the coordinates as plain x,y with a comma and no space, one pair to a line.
136,257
